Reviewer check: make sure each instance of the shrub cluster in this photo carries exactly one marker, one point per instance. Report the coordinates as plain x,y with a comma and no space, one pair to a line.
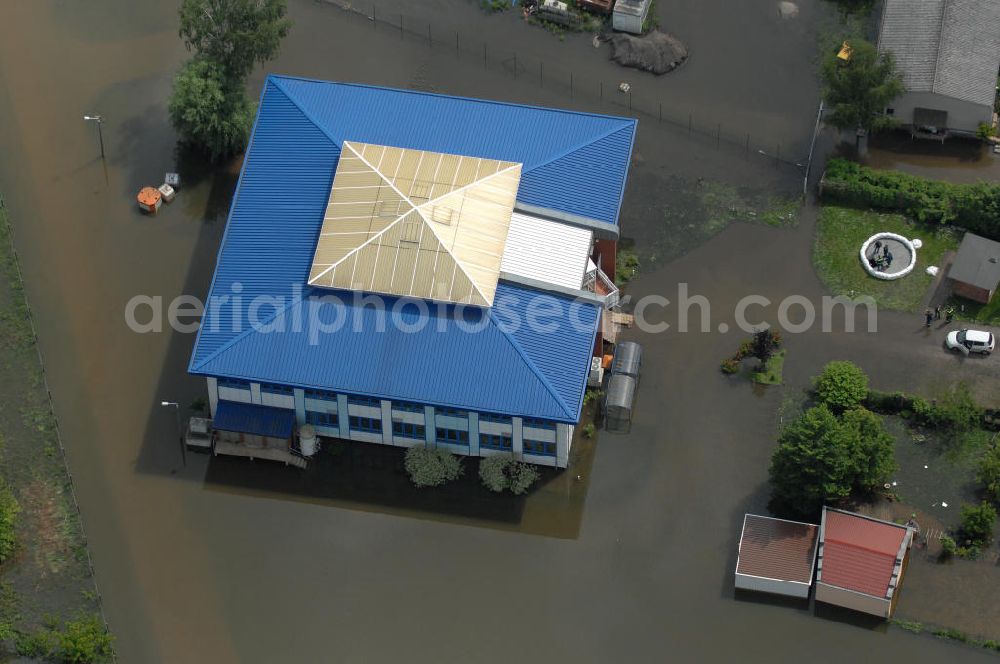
503,472
841,386
82,641
972,206
432,467
977,524
9,509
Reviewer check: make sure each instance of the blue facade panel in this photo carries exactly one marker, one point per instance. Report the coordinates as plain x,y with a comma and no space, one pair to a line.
253,419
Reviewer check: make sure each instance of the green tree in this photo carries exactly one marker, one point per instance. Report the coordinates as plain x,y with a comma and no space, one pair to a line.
822,459
237,34
989,472
873,451
432,467
812,465
977,523
841,386
857,91
208,111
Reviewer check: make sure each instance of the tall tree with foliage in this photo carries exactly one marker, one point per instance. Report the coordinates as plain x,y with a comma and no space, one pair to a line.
237,34
858,91
822,458
208,111
841,386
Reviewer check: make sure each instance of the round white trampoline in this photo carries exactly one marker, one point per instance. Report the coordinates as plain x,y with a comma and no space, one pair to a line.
889,256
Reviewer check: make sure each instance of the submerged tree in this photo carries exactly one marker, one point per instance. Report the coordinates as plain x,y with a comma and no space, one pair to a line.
859,89
822,459
237,34
208,111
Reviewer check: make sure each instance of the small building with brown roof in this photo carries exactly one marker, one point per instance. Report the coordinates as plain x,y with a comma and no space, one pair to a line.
861,562
776,556
975,272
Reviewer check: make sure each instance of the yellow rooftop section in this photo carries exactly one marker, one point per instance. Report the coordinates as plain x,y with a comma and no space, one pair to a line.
414,223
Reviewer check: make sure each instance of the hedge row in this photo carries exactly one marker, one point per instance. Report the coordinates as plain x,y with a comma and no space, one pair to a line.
975,207
924,412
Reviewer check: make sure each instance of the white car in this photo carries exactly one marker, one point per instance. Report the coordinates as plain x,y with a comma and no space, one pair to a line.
971,341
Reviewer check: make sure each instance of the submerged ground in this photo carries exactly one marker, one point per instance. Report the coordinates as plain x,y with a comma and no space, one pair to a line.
196,567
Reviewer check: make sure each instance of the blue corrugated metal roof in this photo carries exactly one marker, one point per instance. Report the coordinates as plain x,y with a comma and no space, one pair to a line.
253,419
573,162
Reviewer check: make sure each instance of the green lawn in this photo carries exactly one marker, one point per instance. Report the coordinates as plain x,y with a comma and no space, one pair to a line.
842,231
771,374
987,314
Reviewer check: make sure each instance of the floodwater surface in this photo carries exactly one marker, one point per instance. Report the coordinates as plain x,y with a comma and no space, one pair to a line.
194,566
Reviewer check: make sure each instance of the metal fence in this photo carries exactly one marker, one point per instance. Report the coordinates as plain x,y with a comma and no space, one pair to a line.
48,392
586,87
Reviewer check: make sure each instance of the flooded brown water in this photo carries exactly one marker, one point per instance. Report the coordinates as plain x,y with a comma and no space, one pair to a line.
196,570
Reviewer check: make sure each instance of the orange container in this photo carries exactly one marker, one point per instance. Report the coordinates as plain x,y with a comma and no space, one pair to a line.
606,363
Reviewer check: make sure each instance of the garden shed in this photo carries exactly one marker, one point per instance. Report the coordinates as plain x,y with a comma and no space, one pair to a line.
630,15
776,556
975,273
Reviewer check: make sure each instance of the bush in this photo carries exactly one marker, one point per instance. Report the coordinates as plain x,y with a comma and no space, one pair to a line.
989,473
589,430
432,467
954,412
41,644
84,640
730,366
9,509
975,207
503,472
841,386
985,131
948,547
763,344
977,523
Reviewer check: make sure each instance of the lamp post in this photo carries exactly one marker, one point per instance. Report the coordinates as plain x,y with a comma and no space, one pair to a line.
180,433
100,132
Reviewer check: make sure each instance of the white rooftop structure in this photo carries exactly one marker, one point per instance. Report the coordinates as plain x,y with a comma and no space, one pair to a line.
546,251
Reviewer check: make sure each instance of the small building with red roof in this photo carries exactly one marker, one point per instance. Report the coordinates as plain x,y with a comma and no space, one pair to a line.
861,561
776,556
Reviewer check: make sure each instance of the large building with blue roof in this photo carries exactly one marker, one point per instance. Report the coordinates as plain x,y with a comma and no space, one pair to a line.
411,269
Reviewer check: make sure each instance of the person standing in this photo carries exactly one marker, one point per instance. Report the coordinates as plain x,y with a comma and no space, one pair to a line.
929,315
937,312
949,314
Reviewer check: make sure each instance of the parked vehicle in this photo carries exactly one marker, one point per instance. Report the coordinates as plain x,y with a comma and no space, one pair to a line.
971,341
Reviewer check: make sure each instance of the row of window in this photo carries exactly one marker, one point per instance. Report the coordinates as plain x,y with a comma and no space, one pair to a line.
538,424
497,419
234,383
321,395
364,401
540,447
322,419
494,441
407,407
366,424
409,430
452,436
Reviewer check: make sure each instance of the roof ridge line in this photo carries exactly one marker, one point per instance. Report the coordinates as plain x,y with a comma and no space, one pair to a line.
423,93
244,334
861,547
576,148
275,78
427,223
229,216
531,365
374,237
